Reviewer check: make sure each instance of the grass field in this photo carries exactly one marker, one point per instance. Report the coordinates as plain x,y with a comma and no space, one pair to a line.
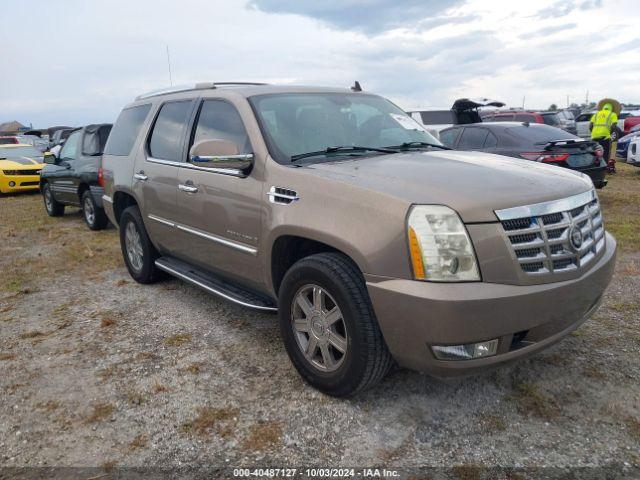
98,371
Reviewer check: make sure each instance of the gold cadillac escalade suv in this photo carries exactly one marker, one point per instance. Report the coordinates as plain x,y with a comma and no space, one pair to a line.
373,242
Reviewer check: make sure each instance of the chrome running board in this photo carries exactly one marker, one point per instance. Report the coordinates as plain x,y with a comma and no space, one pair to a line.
216,285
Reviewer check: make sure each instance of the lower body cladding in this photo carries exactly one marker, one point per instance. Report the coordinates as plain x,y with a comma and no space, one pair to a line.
482,324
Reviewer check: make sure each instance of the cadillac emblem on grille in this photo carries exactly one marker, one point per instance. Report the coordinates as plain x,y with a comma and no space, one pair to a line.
575,236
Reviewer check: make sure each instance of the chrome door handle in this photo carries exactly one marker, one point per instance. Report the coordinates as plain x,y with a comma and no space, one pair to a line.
141,176
188,188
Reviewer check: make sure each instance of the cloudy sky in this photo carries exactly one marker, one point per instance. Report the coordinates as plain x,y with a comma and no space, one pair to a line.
76,61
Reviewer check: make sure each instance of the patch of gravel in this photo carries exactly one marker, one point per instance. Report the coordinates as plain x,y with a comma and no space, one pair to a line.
108,372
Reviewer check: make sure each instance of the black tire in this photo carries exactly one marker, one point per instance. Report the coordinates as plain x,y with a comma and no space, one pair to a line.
51,205
146,272
367,359
93,215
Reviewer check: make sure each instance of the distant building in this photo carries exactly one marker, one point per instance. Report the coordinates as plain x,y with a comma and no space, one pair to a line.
11,127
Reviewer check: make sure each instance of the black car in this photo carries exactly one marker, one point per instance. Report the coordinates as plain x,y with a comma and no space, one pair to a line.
531,141
75,176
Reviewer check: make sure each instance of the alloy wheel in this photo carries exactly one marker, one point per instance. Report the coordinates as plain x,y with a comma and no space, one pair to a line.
89,212
319,328
48,201
133,245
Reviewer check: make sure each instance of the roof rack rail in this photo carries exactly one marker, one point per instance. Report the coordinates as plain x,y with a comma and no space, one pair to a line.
197,86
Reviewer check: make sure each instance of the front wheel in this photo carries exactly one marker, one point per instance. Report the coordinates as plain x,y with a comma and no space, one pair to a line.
138,251
51,205
329,327
94,216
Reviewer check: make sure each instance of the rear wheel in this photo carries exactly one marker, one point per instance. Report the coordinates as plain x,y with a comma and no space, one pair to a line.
329,327
51,205
138,251
94,216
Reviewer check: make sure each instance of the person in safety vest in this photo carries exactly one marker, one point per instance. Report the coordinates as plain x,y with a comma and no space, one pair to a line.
601,125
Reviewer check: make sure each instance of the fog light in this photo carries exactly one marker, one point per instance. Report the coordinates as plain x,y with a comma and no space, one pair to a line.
466,352
12,184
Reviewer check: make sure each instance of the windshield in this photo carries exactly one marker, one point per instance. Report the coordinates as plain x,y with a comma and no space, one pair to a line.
298,123
17,152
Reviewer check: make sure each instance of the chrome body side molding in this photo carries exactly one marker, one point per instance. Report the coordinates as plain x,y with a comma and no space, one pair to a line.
209,236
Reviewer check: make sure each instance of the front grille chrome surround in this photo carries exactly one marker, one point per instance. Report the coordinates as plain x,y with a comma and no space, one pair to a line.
540,235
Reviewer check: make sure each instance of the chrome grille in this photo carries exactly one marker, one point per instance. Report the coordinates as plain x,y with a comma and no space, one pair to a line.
554,237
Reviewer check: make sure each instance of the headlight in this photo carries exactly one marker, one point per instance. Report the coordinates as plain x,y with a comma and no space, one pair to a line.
440,247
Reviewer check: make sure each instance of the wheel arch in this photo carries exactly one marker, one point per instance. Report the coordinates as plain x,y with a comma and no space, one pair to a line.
121,201
288,248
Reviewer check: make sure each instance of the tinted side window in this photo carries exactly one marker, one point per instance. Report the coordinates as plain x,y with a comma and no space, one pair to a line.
472,138
168,130
448,137
584,117
220,120
70,149
491,141
126,130
551,119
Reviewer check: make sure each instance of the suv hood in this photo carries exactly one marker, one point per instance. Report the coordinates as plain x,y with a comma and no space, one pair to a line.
472,183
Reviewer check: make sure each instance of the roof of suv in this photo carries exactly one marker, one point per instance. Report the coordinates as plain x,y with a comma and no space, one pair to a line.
242,88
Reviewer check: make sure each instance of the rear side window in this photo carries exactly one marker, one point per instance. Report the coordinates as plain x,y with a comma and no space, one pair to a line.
437,117
491,141
472,138
220,120
168,130
126,130
448,137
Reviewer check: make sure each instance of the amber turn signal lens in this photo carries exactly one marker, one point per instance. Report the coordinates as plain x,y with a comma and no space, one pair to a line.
416,255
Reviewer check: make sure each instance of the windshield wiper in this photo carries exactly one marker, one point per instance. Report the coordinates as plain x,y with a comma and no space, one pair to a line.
408,145
341,149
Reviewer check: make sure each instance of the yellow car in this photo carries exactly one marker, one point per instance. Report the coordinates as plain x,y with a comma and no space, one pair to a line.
20,166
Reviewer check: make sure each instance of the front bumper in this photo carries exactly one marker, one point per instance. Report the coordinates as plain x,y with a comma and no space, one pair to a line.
415,315
21,182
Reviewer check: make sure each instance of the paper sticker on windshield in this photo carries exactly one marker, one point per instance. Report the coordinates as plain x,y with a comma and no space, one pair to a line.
406,122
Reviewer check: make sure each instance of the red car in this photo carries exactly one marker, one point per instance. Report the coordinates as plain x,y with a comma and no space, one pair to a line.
630,122
9,140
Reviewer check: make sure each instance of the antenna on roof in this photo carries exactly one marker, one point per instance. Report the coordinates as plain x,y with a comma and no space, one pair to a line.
356,87
169,64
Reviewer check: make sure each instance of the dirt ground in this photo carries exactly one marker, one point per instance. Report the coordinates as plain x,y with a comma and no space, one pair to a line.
96,370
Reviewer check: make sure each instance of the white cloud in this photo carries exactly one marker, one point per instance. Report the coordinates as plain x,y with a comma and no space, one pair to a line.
93,57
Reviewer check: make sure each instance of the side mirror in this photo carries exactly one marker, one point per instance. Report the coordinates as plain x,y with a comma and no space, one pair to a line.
222,156
50,158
